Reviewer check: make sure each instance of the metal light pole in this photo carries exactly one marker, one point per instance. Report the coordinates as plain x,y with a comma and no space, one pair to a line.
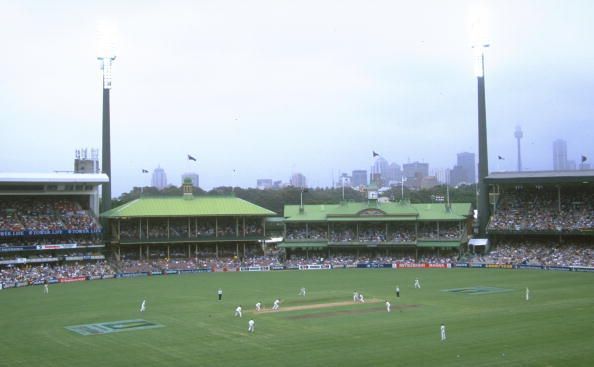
106,62
483,197
518,134
301,209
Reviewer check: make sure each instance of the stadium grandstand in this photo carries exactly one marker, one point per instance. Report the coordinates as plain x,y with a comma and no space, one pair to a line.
543,218
49,228
191,229
373,228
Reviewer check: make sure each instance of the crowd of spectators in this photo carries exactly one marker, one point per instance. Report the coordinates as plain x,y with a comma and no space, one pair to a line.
309,234
181,229
80,240
540,253
397,236
220,263
542,210
48,272
349,259
346,235
44,214
404,237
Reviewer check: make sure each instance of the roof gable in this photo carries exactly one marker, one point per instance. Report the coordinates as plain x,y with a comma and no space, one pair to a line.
187,207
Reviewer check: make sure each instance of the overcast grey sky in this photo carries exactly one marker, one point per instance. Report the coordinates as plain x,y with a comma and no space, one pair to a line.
273,87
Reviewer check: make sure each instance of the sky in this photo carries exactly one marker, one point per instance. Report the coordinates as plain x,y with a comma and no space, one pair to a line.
263,89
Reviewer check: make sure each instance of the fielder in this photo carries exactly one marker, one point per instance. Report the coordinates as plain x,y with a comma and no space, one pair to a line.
237,312
302,292
443,334
388,306
361,299
527,294
355,296
143,305
258,306
251,326
417,284
276,305
45,289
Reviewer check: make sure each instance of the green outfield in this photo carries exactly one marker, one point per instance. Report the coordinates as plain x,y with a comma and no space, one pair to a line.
488,321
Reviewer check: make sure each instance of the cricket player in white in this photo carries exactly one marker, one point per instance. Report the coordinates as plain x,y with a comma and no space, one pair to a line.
442,329
527,294
238,311
143,305
276,305
302,292
355,296
45,288
258,306
361,299
417,284
251,326
388,306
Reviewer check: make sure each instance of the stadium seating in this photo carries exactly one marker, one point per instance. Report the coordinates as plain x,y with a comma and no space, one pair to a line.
539,210
45,214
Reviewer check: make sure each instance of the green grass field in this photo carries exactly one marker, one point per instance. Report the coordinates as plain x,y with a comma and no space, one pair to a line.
554,328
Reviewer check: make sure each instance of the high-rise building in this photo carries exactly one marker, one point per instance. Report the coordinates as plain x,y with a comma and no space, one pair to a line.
344,181
359,178
393,173
442,175
298,180
194,177
458,176
159,179
264,183
560,155
380,167
415,170
468,164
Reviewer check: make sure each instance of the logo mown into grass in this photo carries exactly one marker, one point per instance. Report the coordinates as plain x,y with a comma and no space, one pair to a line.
477,290
113,327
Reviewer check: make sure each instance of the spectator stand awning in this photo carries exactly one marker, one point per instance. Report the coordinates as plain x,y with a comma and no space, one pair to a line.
195,206
541,177
478,242
438,244
384,212
372,219
303,245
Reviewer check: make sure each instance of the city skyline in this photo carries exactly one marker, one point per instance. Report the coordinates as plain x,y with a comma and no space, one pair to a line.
316,96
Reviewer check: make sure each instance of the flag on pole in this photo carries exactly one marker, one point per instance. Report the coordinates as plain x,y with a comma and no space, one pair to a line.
144,171
375,154
191,158
500,158
584,158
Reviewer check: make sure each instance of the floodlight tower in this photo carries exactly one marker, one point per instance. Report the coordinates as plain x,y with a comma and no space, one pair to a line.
483,199
519,135
106,57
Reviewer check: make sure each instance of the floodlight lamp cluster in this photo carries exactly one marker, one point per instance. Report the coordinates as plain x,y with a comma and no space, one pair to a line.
106,62
479,65
106,50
